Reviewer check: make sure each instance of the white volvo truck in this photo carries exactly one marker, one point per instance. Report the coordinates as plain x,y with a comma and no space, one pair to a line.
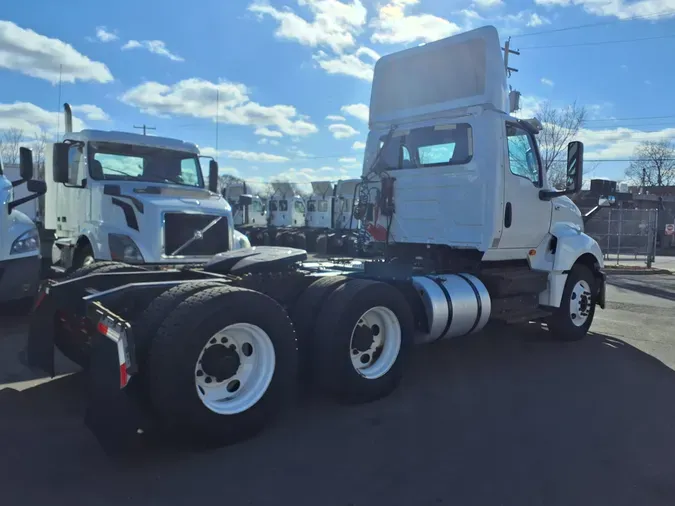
132,198
453,189
20,259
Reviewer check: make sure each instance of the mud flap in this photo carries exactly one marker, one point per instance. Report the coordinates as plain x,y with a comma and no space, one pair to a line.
40,346
113,414
602,277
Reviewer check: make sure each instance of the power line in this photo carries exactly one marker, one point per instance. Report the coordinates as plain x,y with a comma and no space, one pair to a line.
600,23
600,43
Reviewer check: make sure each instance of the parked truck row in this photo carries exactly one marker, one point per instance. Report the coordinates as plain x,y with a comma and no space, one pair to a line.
322,222
453,191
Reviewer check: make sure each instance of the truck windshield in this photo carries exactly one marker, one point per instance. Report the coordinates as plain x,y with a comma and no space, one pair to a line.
431,146
116,161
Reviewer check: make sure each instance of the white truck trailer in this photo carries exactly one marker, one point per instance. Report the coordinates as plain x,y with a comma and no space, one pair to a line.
454,190
132,198
20,259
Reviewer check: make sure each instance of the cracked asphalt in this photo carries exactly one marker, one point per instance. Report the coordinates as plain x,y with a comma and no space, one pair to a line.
507,417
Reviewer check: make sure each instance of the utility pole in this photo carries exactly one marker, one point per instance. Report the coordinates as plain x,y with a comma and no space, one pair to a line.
507,51
145,127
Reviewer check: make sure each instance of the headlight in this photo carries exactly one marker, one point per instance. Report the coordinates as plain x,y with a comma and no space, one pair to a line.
124,249
241,241
26,242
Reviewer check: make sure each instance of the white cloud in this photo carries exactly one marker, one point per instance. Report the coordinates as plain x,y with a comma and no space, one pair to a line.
197,98
537,20
104,35
341,131
487,4
350,162
359,111
333,117
620,9
307,175
253,156
358,145
35,55
32,119
394,26
266,132
334,23
610,143
271,142
91,112
154,46
298,153
546,81
352,64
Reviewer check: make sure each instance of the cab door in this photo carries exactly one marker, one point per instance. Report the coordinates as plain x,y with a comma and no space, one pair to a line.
526,218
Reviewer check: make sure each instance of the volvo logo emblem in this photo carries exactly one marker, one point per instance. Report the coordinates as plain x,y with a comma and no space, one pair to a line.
199,235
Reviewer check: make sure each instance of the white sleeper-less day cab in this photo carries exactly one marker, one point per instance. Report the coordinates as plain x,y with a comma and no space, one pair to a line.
19,240
453,193
133,198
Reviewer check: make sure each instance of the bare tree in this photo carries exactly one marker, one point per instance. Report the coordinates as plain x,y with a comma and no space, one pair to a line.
560,126
11,142
653,164
225,180
38,146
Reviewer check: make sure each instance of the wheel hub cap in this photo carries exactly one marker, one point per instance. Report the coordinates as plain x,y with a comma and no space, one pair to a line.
221,362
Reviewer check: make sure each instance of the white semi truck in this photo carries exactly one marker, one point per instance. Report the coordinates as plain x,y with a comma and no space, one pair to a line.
453,189
20,259
132,198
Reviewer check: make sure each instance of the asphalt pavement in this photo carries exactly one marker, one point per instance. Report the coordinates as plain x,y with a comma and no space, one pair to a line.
507,417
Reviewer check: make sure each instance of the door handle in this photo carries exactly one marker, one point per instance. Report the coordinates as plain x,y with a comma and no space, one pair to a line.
507,215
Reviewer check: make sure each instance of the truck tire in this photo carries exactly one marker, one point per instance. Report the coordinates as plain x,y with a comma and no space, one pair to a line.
70,337
84,256
362,339
305,313
571,321
195,359
147,325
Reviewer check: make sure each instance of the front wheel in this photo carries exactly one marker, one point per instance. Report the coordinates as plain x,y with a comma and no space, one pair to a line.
573,318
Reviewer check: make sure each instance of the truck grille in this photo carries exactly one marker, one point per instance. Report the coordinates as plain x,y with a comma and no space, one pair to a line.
181,227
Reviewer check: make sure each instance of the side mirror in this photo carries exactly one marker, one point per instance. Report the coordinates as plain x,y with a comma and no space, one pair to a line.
223,192
60,162
213,176
245,200
575,166
607,201
39,187
26,164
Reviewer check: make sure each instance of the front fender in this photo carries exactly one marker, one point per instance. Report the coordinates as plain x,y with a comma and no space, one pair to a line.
572,244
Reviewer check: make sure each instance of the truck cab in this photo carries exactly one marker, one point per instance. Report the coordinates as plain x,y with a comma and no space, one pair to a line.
20,259
320,205
132,198
457,179
286,207
253,214
344,200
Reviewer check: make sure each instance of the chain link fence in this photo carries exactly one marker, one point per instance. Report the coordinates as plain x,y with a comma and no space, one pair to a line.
625,234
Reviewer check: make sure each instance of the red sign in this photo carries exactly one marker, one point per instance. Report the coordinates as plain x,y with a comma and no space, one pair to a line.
670,229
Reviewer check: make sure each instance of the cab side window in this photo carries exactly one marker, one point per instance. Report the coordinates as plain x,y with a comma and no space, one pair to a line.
523,160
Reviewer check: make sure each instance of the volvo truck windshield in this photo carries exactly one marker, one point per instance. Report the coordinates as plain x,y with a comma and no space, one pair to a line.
114,161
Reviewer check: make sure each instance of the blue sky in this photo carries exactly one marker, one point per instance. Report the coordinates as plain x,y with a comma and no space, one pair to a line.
293,76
